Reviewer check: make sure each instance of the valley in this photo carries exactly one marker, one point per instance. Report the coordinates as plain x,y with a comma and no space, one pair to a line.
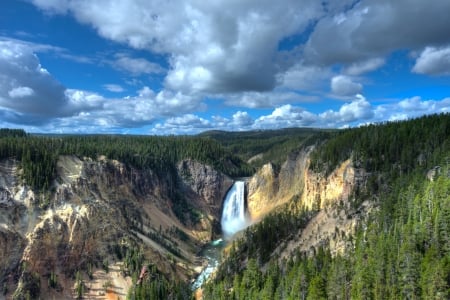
338,214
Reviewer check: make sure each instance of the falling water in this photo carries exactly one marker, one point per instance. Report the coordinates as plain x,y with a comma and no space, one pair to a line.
234,217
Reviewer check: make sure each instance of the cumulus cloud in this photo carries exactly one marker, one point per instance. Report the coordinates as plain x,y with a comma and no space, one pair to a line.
354,113
342,85
266,99
241,119
358,110
20,92
286,116
26,87
186,124
373,28
211,49
304,77
433,61
30,95
136,66
358,68
253,54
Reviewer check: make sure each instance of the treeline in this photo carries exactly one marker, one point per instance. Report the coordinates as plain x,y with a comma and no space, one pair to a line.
264,146
38,154
7,132
393,148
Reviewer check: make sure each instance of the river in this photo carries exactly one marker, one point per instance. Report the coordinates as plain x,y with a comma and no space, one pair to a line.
212,252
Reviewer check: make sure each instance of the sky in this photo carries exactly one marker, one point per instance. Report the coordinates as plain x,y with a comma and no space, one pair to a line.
182,67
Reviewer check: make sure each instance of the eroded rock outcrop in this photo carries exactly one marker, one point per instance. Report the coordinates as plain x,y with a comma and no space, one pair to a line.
95,207
204,185
331,195
269,188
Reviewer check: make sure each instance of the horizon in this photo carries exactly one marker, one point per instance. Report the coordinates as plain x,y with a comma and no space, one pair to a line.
188,67
381,123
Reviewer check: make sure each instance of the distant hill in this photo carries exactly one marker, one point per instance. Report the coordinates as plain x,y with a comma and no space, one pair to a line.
258,147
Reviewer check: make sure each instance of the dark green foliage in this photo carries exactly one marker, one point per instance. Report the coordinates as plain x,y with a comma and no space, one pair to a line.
402,251
29,286
53,280
272,145
7,132
394,148
38,156
154,284
105,265
404,256
79,285
260,240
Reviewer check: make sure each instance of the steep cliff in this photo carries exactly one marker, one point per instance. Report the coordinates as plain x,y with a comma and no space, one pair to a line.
331,196
205,189
97,211
268,188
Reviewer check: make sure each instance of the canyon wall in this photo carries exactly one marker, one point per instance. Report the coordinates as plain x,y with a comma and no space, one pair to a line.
330,195
95,210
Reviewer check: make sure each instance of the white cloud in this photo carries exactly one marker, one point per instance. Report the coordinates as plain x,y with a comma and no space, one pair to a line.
232,55
21,92
114,88
374,28
211,49
266,99
286,116
30,95
342,85
186,124
358,68
433,61
241,119
53,6
303,77
136,66
358,110
26,87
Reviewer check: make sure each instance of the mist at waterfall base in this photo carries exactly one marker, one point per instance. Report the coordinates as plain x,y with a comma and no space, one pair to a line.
234,217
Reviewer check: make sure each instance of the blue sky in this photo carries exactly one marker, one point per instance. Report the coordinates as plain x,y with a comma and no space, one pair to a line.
182,67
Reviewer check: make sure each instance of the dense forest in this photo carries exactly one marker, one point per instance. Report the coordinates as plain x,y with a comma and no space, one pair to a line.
38,154
262,146
227,152
401,252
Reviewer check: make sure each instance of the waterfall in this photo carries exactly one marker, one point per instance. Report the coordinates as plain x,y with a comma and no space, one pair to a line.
234,217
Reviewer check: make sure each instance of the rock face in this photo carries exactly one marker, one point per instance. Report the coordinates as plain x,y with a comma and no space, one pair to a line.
330,195
95,211
204,185
321,191
205,189
268,188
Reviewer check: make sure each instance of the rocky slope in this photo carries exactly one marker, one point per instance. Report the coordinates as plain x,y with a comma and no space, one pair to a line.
269,188
331,195
96,211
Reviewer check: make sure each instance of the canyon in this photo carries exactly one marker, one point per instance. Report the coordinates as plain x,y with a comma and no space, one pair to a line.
98,206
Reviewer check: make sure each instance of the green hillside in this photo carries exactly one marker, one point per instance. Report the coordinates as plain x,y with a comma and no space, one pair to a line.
402,252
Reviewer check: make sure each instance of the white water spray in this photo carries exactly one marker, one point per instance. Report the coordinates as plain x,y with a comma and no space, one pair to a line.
234,217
